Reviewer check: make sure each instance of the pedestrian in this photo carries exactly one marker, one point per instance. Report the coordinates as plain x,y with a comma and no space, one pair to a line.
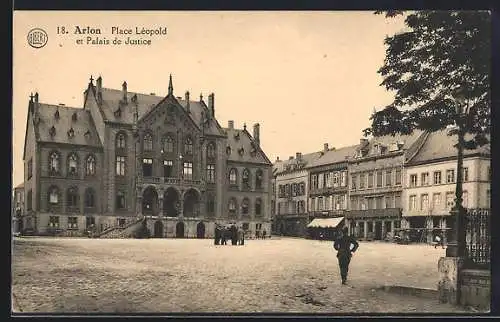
223,232
344,252
234,235
264,233
438,241
217,235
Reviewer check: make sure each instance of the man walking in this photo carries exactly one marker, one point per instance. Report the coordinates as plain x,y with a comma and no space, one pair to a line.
344,252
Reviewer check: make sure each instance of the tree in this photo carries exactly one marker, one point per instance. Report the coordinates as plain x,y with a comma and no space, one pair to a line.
440,62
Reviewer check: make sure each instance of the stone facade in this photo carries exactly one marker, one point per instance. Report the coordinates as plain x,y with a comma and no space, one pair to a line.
125,155
376,184
329,187
291,195
430,182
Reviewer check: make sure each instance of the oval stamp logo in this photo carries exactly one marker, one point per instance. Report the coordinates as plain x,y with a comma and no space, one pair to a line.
37,38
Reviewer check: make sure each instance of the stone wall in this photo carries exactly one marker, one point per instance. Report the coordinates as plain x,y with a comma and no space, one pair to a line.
475,288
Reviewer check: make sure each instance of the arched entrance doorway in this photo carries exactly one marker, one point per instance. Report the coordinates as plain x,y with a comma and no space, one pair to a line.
150,201
170,202
158,229
179,230
191,203
200,230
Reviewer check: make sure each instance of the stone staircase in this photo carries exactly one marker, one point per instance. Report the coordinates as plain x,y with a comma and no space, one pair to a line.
124,231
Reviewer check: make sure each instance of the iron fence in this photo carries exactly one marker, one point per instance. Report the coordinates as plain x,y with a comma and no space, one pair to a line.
478,236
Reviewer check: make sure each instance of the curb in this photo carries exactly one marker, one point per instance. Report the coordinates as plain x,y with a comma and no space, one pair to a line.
14,306
427,293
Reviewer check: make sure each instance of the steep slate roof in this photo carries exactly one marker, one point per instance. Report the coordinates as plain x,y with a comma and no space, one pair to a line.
306,159
64,123
334,156
409,143
246,142
111,100
439,145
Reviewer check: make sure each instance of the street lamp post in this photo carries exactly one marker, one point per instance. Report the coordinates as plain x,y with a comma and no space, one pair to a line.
457,248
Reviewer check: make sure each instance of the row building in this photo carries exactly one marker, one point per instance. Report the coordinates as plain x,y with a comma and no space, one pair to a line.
387,185
125,155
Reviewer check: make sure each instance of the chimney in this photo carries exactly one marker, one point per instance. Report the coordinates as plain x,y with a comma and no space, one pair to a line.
256,133
230,124
298,156
290,157
325,147
211,104
187,102
124,91
98,83
278,159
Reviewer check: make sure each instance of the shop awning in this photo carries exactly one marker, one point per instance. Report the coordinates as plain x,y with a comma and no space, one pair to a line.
325,222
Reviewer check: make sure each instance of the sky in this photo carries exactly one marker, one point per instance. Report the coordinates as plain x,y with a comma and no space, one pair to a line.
307,78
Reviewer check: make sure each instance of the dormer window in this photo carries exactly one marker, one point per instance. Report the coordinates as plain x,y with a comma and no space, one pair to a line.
241,151
228,150
56,115
237,136
134,98
52,131
87,134
74,117
71,133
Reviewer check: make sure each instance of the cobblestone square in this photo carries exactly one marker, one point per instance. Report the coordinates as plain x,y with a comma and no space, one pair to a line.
190,275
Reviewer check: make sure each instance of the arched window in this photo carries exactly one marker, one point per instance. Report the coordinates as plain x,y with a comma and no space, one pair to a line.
245,206
188,146
73,164
54,162
168,144
232,205
259,177
89,198
246,178
90,165
211,150
121,141
148,142
258,207
233,176
53,195
72,197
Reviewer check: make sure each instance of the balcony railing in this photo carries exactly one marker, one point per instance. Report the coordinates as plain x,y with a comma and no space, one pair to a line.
172,181
368,213
328,213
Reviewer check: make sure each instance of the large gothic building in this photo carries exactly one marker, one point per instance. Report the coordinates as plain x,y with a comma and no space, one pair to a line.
126,155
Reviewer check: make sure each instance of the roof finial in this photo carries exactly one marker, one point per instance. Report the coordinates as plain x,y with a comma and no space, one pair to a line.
31,97
201,97
244,126
91,80
170,86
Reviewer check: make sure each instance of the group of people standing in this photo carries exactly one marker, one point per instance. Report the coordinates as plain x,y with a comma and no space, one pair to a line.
225,233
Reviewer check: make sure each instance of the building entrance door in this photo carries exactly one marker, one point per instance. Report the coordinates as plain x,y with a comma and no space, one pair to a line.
378,230
158,229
